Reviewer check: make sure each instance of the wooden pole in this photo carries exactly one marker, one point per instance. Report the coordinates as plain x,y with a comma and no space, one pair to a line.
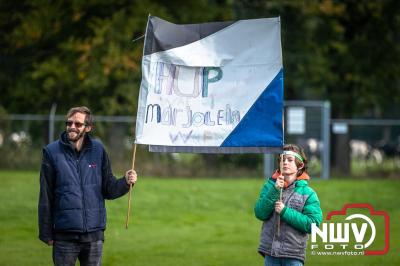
130,189
280,195
280,171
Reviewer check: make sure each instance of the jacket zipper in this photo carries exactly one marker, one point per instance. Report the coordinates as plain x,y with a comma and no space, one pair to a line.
82,191
276,228
285,199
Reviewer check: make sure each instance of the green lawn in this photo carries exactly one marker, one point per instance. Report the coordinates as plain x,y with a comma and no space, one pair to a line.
185,221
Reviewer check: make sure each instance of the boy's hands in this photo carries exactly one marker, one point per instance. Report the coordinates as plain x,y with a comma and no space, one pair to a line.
279,206
279,184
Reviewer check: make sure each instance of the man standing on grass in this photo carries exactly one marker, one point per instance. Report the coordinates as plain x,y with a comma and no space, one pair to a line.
75,178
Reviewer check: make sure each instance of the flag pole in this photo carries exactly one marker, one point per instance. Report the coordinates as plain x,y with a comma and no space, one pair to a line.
280,194
130,189
281,169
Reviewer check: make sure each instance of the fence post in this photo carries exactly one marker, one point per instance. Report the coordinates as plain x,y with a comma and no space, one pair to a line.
51,122
268,165
326,130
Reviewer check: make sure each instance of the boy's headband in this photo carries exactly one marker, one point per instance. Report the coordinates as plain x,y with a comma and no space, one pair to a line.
295,154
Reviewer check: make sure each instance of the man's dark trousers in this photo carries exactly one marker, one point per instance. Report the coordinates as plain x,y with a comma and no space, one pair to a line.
66,253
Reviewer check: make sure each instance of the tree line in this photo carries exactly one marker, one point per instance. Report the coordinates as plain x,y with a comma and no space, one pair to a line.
81,52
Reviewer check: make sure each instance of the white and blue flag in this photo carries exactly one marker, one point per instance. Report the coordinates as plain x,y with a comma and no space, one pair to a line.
212,87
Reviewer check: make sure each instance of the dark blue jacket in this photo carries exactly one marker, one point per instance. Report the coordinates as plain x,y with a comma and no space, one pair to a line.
73,187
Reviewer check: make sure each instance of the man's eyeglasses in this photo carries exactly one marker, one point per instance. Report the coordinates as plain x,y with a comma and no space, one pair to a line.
77,124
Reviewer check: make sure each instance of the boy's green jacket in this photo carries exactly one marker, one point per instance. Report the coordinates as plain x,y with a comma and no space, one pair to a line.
302,208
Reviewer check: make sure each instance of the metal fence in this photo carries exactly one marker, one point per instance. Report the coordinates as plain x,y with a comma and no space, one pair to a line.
373,146
22,137
307,124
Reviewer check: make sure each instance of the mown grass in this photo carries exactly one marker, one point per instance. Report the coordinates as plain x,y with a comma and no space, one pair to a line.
185,221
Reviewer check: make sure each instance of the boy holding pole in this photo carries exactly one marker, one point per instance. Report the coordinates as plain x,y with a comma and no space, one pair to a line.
287,206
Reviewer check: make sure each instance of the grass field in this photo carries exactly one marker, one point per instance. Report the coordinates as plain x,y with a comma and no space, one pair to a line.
186,221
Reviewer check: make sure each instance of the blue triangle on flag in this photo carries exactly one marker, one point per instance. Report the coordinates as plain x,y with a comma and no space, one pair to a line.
262,124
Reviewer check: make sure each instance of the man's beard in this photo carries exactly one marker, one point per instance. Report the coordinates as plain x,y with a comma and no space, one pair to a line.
79,135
